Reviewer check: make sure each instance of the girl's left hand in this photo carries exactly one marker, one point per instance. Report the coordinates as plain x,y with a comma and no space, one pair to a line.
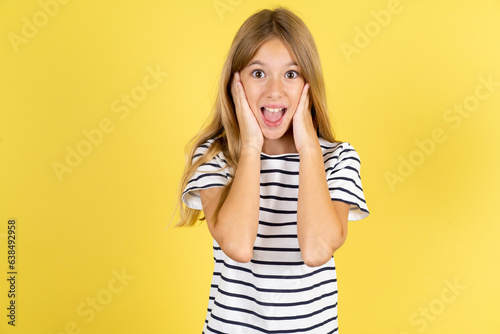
304,133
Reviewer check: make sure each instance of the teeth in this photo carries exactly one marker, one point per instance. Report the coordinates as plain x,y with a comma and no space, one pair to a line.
273,109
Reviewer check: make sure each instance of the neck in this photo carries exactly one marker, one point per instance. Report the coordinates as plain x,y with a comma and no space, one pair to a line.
282,145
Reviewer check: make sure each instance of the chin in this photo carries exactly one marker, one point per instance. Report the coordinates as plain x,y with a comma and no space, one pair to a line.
273,134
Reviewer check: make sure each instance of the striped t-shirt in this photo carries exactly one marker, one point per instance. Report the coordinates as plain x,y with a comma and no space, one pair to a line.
276,292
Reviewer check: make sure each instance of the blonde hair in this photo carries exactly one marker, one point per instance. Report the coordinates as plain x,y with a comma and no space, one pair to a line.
223,128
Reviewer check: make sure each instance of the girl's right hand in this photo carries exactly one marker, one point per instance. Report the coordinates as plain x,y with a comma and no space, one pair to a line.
251,134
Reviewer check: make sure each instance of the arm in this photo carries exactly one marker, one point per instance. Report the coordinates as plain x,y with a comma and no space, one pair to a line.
321,222
235,228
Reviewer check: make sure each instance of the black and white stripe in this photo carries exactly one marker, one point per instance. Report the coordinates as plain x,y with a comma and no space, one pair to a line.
276,292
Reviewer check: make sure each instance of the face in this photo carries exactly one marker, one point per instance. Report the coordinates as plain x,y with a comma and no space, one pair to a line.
273,86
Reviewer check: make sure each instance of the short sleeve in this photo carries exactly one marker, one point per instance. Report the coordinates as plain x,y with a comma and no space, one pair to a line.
213,173
342,167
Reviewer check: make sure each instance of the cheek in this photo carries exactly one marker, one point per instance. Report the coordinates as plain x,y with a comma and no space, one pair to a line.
252,96
295,97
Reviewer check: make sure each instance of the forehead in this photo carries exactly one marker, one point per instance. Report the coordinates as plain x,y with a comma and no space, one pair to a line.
273,53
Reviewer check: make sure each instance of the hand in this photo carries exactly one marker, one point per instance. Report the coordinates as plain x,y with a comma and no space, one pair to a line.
251,134
304,133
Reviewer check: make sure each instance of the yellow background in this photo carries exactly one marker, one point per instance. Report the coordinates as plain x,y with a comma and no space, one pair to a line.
438,225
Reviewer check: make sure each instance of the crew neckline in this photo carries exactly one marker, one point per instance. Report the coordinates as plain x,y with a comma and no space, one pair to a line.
322,143
279,155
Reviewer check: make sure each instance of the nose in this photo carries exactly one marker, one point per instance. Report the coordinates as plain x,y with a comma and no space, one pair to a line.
275,87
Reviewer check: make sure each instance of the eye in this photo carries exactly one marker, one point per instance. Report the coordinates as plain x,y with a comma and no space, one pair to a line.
292,74
258,74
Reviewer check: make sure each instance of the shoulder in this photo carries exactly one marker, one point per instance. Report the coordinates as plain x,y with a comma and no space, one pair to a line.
203,149
342,167
335,152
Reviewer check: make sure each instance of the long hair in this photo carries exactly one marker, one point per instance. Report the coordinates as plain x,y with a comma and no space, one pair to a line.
223,128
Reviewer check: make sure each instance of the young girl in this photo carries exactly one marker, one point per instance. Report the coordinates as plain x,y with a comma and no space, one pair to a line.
275,187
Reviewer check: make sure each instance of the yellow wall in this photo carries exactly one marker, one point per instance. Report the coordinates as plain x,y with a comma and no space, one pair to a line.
127,83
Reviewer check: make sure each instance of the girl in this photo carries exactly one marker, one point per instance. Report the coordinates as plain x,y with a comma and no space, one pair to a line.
275,187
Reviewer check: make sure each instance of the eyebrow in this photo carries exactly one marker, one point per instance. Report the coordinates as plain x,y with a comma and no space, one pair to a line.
258,62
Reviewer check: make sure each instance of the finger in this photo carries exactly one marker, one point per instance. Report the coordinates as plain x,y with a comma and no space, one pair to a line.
305,93
234,89
304,99
308,99
241,103
240,89
241,94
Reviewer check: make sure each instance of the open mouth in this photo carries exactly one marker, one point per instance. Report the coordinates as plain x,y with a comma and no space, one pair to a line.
273,116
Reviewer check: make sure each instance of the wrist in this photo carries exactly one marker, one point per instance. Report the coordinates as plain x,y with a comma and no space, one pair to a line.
310,149
250,149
